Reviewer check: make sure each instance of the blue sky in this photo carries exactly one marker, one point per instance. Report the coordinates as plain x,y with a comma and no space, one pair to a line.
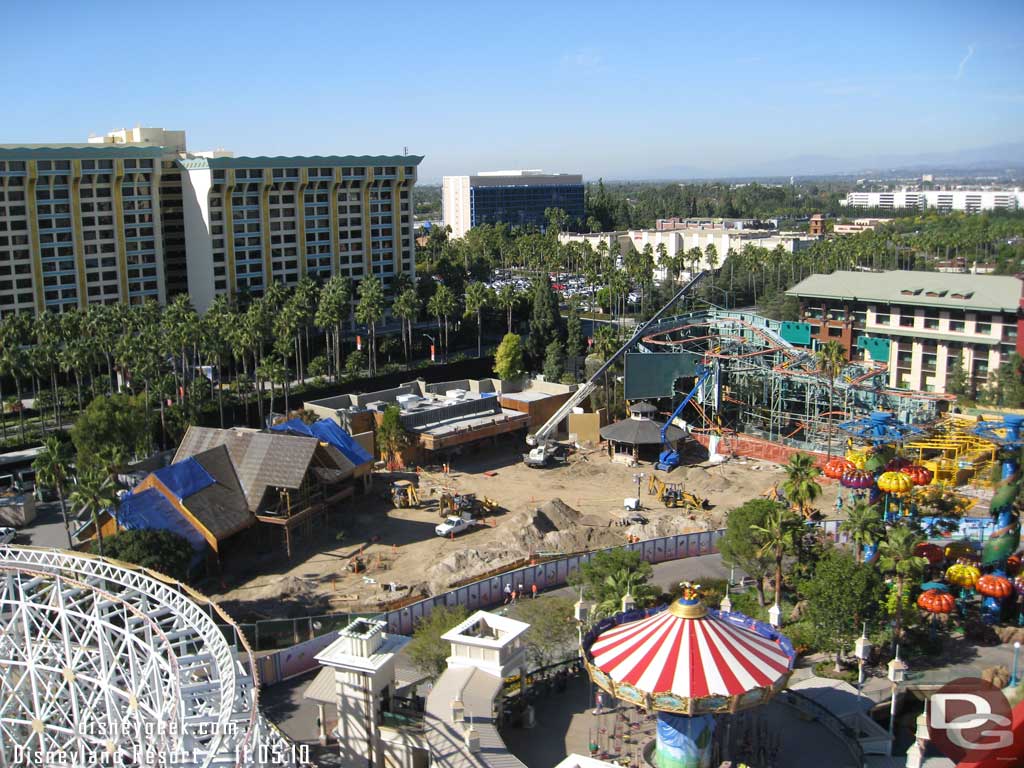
617,90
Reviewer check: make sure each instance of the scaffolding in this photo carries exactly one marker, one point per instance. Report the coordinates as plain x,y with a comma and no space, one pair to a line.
766,387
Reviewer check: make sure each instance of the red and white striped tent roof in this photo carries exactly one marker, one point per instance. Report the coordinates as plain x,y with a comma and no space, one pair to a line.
689,653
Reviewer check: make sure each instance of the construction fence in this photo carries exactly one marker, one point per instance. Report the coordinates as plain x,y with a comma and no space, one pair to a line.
478,595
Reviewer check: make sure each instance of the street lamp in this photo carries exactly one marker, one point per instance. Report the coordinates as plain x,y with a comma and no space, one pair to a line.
897,673
862,650
1014,679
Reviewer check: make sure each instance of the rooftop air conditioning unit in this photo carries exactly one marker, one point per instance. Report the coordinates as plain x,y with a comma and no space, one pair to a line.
455,394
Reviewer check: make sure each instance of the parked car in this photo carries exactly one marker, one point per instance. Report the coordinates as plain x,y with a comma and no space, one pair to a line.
7,536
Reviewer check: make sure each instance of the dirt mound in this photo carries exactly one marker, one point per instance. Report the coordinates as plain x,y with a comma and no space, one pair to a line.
560,514
551,527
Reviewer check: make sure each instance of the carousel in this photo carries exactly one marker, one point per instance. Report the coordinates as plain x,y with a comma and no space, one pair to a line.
688,664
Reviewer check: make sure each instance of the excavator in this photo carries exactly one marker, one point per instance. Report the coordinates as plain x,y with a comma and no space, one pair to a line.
674,496
543,449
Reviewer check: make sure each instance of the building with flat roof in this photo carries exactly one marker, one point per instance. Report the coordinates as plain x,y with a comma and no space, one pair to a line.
967,200
449,417
858,226
920,323
250,221
81,224
684,237
516,198
133,215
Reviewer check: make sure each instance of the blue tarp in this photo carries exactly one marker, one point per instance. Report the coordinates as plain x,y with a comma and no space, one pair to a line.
185,478
328,432
151,510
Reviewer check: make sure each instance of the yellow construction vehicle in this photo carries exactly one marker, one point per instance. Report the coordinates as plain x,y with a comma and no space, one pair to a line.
403,494
673,495
457,504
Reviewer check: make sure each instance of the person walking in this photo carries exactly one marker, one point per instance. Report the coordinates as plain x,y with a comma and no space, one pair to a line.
533,589
508,594
513,597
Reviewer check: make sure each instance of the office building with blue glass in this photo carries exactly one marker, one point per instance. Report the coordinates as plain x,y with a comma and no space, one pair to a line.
516,198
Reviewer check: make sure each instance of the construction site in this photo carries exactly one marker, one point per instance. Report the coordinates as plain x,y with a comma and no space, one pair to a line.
743,392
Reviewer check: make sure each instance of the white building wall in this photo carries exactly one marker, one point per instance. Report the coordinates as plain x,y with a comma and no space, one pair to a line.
455,204
198,245
970,200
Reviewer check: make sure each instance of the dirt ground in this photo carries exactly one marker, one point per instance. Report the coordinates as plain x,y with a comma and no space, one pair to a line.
564,509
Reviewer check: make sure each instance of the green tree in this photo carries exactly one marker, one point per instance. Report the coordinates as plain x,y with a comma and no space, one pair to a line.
1010,382
442,305
956,381
545,320
608,575
840,596
740,546
508,360
552,633
897,556
778,536
52,466
507,299
553,359
391,435
427,651
800,485
478,298
93,493
369,311
864,525
162,551
407,308
332,311
574,342
109,421
830,357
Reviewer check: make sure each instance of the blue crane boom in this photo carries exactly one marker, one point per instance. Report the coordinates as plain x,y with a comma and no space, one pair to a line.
669,458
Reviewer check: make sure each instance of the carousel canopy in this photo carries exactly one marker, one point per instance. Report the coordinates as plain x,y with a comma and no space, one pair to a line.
684,654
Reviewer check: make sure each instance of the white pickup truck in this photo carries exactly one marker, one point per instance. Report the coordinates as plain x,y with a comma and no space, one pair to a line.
453,525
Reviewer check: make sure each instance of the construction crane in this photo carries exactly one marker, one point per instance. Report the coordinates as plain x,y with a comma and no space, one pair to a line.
669,458
543,448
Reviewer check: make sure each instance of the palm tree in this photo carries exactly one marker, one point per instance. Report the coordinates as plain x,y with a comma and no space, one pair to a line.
897,557
478,298
441,305
507,299
331,312
778,537
831,357
864,524
406,308
618,585
369,312
605,346
94,493
52,466
800,486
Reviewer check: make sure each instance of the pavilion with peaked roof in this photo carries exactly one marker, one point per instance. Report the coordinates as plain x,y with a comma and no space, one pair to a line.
638,438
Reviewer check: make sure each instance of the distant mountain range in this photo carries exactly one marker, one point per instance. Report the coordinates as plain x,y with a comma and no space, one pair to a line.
998,157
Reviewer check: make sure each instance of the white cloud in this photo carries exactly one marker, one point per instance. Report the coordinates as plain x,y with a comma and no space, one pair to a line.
963,62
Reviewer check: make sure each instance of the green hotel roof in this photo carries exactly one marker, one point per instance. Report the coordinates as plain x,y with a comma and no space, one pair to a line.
1001,293
339,161
79,151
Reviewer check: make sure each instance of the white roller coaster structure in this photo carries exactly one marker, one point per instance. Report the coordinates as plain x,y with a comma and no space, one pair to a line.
103,663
